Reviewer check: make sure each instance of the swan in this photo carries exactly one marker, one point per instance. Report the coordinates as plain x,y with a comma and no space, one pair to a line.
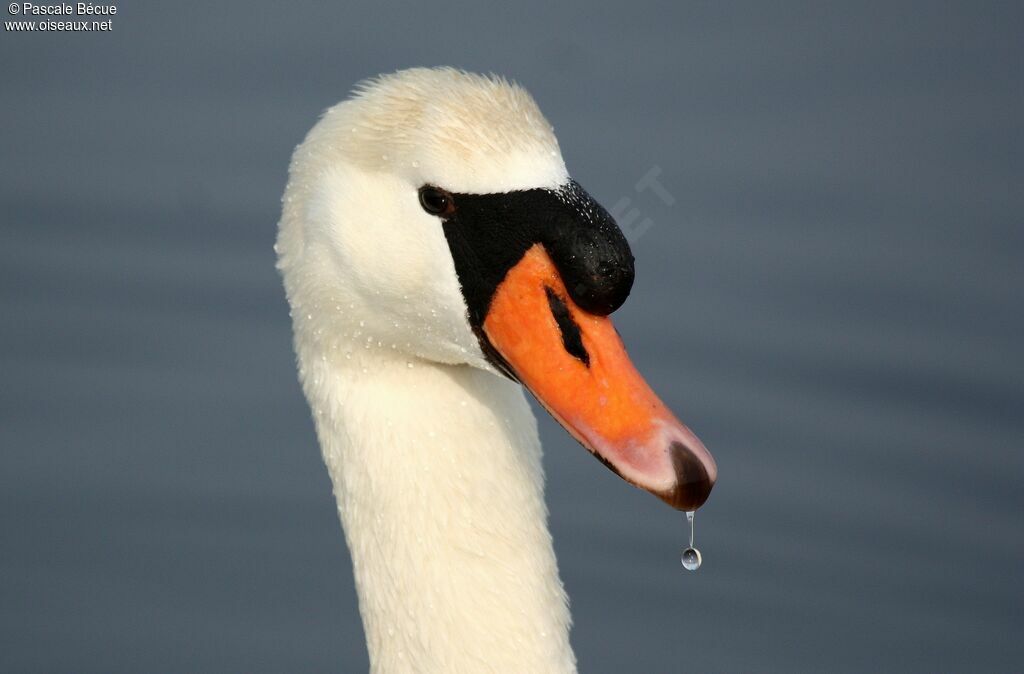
436,254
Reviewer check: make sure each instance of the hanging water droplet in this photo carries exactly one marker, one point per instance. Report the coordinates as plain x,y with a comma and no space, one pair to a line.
691,555
691,559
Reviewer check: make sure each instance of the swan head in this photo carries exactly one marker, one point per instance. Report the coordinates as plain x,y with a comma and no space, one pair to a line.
432,213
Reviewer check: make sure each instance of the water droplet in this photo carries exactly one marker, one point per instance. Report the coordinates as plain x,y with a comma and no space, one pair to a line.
691,555
691,559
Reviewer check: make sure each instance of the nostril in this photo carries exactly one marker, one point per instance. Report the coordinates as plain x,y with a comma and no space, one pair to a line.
693,484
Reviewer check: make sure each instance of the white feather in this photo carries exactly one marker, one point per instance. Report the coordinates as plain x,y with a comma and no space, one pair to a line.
435,459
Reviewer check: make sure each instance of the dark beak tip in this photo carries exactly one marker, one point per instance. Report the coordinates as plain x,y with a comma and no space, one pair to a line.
693,483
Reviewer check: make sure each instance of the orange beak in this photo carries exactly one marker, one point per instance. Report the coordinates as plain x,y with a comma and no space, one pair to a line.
575,364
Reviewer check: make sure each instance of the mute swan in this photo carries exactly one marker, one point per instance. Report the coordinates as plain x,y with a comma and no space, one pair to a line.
433,249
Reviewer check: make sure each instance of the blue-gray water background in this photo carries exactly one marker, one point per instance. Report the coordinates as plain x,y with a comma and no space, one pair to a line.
833,302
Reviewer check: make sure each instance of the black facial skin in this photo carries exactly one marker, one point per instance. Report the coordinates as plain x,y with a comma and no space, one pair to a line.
489,233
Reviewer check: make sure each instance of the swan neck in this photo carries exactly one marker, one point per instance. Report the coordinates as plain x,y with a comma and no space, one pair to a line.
439,485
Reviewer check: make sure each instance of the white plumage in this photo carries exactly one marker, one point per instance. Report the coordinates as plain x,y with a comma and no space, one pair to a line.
435,459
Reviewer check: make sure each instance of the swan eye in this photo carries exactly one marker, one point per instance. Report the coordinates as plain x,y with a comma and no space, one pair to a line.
436,201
